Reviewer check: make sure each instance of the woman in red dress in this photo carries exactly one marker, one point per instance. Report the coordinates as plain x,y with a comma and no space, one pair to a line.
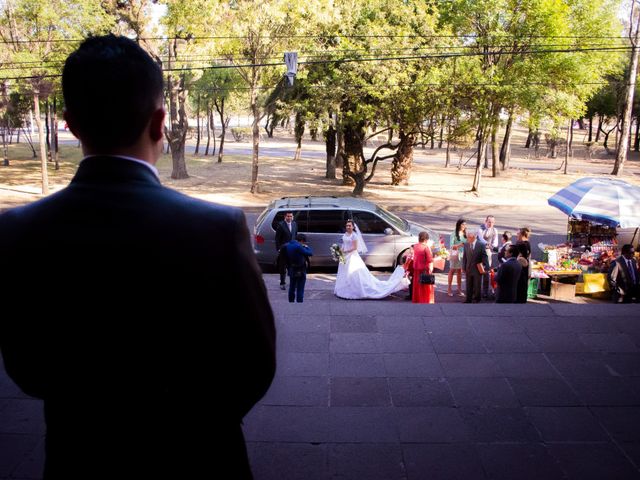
422,260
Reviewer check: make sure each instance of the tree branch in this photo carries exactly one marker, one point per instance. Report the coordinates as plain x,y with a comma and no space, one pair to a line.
377,133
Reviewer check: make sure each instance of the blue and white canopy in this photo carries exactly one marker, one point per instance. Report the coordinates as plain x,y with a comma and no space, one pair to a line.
603,200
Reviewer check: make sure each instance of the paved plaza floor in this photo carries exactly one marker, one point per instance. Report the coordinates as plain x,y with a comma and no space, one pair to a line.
386,389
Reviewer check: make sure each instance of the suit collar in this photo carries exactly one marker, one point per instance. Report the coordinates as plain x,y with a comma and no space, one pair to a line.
108,169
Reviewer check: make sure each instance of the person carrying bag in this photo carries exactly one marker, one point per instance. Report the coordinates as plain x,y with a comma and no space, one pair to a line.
424,288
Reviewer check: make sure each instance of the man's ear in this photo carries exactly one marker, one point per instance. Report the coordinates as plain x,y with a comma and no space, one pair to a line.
156,125
70,120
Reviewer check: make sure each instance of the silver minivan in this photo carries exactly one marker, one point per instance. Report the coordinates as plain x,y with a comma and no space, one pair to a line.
322,220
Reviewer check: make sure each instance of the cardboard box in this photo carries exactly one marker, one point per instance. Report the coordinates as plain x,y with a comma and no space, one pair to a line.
595,283
562,291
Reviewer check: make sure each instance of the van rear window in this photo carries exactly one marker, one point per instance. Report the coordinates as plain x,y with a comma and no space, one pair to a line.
299,216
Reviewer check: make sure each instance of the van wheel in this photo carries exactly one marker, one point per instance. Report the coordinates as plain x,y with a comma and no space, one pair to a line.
399,260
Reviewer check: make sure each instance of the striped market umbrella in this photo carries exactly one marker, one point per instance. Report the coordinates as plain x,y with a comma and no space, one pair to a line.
602,200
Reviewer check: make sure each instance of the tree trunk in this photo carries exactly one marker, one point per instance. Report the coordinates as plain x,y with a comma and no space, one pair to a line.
270,125
605,143
27,135
353,143
480,160
206,149
447,160
299,132
495,155
54,134
212,119
224,126
527,144
505,149
197,125
340,150
5,147
636,143
224,123
179,125
43,151
570,143
433,132
330,146
403,160
590,129
256,138
440,140
566,152
630,88
47,126
600,120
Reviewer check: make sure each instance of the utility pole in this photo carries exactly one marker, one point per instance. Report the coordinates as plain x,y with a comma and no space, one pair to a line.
623,144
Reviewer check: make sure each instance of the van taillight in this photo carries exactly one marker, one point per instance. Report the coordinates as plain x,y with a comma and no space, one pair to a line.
259,239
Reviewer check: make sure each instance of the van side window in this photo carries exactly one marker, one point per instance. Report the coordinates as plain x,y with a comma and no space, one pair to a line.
369,222
300,217
326,221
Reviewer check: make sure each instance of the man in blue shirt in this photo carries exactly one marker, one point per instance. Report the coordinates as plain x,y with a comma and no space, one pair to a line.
297,258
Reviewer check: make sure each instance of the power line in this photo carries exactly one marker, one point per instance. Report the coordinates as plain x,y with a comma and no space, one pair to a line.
225,57
361,60
418,87
326,36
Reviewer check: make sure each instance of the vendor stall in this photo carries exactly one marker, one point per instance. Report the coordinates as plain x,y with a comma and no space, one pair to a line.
596,207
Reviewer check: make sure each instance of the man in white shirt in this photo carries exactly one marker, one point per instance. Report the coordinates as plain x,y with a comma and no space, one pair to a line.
489,235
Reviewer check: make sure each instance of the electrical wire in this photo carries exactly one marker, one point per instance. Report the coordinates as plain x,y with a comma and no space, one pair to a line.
339,61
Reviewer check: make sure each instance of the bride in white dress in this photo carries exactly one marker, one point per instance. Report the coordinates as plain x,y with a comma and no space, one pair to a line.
354,279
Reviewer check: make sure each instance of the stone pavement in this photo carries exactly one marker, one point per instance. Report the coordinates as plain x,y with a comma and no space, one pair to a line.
386,389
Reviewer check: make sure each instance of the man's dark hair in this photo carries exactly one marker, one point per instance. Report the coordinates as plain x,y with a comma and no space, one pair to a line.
626,249
111,86
301,237
513,250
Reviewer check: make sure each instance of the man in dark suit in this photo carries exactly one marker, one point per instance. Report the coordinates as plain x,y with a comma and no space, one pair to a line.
624,277
116,286
285,232
508,275
475,263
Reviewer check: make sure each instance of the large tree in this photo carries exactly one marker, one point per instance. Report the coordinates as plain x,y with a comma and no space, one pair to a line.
38,35
373,62
520,43
186,25
258,32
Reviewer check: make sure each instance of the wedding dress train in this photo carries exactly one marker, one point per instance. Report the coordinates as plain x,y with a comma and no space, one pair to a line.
355,281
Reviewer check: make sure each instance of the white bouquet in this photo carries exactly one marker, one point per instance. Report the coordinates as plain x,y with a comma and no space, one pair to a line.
336,253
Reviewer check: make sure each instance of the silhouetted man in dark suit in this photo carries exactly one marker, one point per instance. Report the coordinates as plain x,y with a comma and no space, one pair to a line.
475,263
117,286
624,277
507,276
285,232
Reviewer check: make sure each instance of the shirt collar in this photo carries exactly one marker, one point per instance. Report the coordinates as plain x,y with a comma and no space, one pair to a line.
131,159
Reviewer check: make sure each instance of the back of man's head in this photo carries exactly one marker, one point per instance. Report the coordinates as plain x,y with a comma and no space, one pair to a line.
111,86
